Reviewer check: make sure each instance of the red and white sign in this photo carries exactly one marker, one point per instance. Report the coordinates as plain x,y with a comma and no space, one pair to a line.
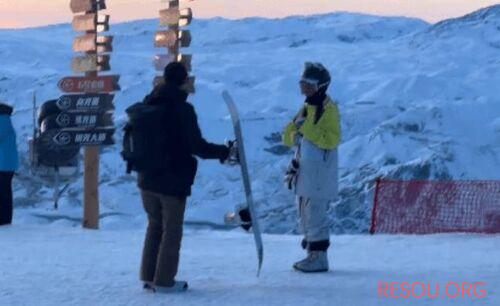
104,84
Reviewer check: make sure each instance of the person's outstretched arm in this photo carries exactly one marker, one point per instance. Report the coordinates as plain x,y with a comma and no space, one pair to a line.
197,144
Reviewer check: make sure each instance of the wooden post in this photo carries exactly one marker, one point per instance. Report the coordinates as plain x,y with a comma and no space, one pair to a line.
91,186
91,168
90,87
175,49
174,18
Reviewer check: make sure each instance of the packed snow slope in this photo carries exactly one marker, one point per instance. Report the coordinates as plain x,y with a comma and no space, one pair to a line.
56,265
418,101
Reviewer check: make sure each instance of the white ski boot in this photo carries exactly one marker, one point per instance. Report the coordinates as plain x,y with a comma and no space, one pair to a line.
316,261
305,245
179,286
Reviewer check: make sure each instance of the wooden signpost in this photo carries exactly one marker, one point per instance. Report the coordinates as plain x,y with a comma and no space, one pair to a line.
173,39
86,119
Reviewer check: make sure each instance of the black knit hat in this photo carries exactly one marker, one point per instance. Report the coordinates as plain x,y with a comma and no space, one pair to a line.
316,74
175,73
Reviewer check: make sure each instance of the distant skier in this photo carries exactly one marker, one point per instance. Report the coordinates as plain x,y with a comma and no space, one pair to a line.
9,163
313,173
165,129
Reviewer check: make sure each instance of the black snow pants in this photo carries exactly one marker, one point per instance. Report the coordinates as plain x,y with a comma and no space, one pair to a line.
6,206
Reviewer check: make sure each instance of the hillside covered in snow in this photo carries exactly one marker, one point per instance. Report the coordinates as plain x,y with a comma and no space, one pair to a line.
417,100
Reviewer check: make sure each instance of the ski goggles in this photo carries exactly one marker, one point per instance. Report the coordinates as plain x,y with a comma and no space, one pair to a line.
309,82
312,82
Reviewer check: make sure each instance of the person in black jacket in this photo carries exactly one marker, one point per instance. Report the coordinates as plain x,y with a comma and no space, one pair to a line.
164,192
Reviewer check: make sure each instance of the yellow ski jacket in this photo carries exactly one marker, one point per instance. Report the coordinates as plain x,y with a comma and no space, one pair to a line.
325,134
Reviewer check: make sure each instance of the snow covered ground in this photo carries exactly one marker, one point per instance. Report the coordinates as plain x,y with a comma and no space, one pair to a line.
57,265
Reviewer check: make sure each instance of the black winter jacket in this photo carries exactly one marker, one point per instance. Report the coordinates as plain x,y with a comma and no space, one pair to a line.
182,124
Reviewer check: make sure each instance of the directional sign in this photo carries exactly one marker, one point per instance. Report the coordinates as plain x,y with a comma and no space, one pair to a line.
92,42
77,120
84,23
185,38
90,62
186,60
162,60
189,84
186,17
85,43
89,102
98,84
83,137
88,22
104,44
79,6
170,17
102,23
91,120
84,119
176,17
166,38
169,38
50,154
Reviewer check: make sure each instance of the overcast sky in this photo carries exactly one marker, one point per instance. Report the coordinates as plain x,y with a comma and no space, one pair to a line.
27,13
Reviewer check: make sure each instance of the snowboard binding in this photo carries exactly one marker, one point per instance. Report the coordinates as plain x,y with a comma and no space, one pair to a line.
241,217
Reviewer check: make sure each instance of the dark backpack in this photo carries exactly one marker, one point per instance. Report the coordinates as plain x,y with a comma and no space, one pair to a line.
146,139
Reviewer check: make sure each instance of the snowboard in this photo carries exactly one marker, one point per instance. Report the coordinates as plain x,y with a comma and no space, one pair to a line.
246,178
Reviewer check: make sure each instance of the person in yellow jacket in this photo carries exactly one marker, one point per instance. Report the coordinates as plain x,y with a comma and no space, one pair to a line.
313,173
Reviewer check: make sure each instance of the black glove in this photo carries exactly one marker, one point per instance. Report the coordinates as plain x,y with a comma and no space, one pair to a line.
246,218
291,174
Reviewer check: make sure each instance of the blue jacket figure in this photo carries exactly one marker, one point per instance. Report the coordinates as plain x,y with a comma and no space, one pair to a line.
9,163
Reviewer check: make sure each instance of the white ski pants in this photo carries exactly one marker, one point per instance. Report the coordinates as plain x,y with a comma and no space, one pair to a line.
313,218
